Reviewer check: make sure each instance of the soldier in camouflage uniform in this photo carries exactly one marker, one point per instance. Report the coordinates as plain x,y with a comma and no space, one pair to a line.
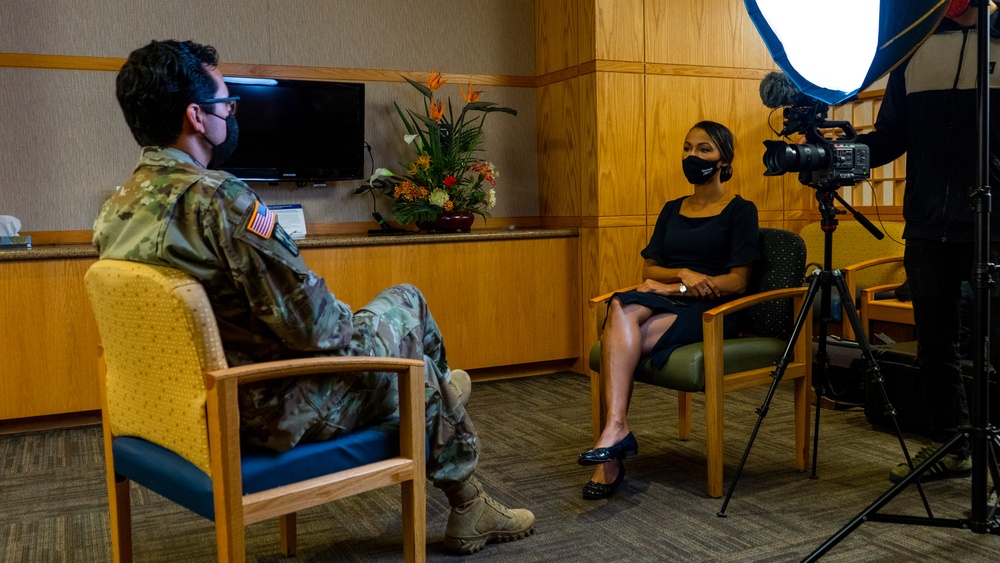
175,211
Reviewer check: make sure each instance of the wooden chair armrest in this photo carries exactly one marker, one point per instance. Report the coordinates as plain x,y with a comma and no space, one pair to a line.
305,366
751,300
602,298
869,293
873,262
224,432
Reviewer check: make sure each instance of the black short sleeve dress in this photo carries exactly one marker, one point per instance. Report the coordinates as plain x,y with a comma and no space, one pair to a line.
709,245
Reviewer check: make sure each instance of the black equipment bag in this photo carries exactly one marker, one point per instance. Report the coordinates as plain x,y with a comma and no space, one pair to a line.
903,385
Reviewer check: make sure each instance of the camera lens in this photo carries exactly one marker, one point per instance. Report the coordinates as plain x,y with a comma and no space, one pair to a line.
780,157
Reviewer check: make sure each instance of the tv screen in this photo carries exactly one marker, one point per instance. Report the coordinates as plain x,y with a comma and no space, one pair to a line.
298,130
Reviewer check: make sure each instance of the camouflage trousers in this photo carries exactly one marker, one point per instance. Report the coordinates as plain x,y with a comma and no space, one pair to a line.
397,323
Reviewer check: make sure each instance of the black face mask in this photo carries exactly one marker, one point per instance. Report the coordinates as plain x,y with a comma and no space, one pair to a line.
225,149
698,170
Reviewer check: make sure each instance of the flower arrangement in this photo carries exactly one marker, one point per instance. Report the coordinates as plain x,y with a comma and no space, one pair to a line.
445,178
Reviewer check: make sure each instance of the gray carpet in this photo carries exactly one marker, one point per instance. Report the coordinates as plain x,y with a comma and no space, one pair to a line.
53,505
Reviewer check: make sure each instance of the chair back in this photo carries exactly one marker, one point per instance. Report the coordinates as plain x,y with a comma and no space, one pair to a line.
852,243
159,337
780,264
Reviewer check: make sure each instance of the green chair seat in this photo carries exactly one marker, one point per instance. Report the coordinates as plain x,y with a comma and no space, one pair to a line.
685,370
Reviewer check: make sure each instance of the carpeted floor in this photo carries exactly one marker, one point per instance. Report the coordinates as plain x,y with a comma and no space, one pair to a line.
53,505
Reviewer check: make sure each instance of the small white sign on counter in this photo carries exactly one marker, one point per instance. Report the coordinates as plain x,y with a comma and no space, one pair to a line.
291,219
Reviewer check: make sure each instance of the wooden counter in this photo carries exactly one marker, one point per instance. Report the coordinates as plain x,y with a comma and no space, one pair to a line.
503,299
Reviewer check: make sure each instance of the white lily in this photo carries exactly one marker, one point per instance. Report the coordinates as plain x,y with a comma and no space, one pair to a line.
379,172
414,137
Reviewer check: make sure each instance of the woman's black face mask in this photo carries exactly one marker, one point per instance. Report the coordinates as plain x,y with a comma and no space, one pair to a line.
698,170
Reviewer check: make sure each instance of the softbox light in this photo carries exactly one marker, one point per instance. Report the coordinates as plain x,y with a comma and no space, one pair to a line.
833,50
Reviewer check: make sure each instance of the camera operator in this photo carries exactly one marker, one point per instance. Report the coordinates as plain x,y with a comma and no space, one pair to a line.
929,112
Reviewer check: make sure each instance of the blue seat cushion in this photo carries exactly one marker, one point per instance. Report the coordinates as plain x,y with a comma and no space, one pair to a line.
177,479
685,369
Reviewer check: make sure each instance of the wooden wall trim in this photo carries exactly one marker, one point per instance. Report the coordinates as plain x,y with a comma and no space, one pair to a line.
557,76
614,221
113,64
649,68
560,222
706,71
60,62
612,66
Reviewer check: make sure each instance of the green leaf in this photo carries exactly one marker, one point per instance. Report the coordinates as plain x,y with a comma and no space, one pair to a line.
489,107
406,122
423,89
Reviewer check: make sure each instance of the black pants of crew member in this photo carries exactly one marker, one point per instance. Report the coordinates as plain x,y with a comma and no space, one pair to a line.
935,271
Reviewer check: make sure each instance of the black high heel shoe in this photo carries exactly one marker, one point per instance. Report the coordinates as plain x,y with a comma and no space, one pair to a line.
627,447
596,491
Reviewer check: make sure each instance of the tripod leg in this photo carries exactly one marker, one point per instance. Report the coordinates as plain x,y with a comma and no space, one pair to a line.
993,459
871,513
776,375
876,374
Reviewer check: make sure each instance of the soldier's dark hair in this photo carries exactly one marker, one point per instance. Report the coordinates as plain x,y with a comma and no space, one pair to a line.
156,84
724,141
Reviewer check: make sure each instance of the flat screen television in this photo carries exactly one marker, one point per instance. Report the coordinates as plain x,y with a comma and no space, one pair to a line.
298,130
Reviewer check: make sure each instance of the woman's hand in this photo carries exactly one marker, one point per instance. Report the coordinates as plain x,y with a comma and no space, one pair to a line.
652,286
700,285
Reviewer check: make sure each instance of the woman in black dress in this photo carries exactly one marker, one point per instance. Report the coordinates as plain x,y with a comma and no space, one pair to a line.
698,257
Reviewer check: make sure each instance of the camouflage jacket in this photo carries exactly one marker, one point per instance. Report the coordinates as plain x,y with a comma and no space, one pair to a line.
268,304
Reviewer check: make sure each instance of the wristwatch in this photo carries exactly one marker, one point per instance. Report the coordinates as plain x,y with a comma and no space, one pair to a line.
683,289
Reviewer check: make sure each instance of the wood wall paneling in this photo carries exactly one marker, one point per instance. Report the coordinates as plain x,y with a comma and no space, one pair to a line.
559,159
610,260
586,31
48,339
621,144
497,303
674,104
590,155
557,28
716,33
619,30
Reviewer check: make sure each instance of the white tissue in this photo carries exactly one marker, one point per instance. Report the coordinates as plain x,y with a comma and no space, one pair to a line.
9,226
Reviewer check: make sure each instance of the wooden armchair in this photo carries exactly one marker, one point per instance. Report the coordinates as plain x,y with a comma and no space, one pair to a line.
875,307
718,366
171,419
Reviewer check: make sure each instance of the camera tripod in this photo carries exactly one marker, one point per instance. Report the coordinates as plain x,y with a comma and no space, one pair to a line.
821,282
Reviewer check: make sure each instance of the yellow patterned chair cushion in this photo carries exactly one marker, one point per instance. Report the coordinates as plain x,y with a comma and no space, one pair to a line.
156,351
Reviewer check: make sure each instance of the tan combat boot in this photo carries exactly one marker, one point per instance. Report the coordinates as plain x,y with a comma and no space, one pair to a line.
461,385
477,519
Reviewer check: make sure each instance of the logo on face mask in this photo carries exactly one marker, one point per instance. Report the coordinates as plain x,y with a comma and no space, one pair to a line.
698,170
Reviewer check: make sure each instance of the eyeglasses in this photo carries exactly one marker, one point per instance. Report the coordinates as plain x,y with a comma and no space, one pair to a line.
230,103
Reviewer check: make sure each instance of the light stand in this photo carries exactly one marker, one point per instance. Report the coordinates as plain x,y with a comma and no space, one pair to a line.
983,438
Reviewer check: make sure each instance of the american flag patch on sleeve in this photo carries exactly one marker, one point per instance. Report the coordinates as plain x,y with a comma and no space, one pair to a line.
262,220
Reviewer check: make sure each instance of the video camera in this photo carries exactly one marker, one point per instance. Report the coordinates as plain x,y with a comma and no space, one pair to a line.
821,162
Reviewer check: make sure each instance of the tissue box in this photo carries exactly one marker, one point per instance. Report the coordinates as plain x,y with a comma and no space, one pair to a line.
12,243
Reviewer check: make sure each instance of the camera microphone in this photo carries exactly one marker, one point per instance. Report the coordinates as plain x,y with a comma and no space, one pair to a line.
777,90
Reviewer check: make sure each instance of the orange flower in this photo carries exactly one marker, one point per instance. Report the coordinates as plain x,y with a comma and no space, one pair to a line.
436,80
406,190
449,205
472,95
437,110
